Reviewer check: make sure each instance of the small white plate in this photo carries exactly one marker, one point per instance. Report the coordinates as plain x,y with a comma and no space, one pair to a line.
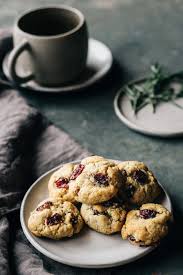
88,249
167,121
99,62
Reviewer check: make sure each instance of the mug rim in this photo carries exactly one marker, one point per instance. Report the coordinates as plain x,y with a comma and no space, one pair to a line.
59,7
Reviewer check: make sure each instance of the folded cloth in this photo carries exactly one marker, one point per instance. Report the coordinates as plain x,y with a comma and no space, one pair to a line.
29,146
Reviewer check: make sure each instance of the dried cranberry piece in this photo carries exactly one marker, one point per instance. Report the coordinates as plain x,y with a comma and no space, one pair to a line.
101,179
55,219
130,189
77,171
147,213
131,238
46,205
140,176
62,183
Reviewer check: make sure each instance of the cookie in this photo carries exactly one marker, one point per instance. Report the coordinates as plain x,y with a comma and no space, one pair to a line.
146,226
106,218
55,220
58,185
139,184
95,180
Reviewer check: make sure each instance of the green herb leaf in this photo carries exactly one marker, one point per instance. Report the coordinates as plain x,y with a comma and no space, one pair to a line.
154,90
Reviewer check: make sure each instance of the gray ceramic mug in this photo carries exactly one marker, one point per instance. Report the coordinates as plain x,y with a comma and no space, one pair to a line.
51,44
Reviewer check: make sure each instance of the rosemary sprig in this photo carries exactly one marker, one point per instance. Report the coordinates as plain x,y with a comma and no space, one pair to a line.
155,89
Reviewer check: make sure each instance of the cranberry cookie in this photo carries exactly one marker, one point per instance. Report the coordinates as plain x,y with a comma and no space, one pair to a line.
95,180
55,220
58,185
146,226
106,218
139,184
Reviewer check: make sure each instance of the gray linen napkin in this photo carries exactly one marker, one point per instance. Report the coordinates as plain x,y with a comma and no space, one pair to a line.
29,146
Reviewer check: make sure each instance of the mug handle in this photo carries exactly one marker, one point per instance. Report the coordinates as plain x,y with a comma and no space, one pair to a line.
12,60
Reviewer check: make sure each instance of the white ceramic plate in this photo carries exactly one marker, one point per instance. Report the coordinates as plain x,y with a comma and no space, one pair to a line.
99,62
87,249
167,121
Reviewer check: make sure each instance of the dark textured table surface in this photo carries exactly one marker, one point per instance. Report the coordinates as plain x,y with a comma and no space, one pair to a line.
138,32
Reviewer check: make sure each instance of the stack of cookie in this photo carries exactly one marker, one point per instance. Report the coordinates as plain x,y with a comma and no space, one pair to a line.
102,193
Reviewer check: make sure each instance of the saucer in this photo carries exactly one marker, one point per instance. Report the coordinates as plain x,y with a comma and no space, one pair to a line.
99,62
166,122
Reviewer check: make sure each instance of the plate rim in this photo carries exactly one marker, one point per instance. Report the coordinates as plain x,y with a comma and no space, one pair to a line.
63,261
131,124
71,88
